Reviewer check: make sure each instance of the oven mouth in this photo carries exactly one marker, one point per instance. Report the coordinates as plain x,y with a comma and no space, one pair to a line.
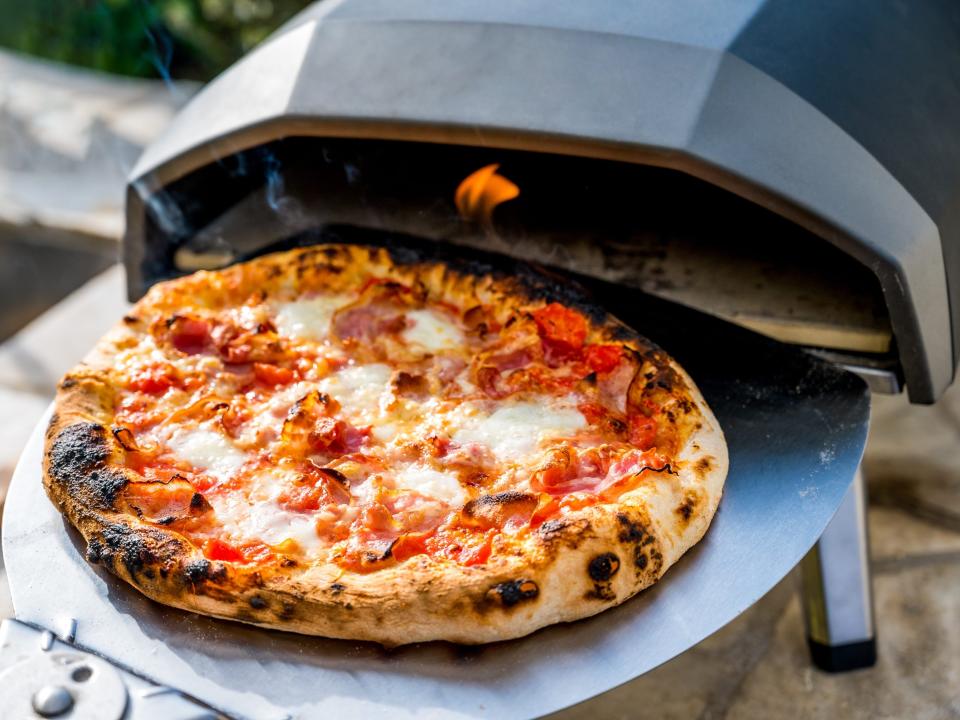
644,228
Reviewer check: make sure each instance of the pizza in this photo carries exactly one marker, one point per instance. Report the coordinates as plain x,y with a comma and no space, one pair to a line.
368,443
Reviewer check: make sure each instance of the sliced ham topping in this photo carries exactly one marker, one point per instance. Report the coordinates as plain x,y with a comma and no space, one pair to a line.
568,470
189,335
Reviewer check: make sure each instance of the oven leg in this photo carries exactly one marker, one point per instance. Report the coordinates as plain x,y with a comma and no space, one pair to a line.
837,591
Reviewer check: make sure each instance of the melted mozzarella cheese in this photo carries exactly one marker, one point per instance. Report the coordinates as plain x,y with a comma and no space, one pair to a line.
265,521
514,431
432,331
432,484
208,451
308,319
360,390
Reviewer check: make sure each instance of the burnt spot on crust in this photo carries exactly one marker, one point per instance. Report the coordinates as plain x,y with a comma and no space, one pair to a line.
77,458
337,588
129,546
688,507
603,567
68,382
552,529
497,510
703,466
645,551
94,551
199,503
196,571
512,592
257,602
78,448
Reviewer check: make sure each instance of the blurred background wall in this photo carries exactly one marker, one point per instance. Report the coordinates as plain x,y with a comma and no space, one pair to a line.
187,39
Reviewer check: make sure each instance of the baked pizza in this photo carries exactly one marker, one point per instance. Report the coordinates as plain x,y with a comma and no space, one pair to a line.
367,443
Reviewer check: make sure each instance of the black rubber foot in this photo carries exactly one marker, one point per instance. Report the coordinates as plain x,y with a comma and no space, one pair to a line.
841,658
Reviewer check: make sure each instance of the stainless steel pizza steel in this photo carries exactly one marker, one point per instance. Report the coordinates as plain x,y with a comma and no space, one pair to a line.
705,167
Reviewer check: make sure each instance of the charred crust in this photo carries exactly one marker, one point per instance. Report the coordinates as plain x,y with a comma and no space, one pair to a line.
77,457
257,602
77,449
703,466
685,509
199,503
196,571
552,529
636,534
603,567
67,383
335,475
493,501
94,551
512,592
127,545
337,588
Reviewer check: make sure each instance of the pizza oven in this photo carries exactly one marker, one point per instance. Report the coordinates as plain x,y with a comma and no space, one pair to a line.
769,189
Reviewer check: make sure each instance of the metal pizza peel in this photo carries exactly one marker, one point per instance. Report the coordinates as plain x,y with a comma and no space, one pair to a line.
796,428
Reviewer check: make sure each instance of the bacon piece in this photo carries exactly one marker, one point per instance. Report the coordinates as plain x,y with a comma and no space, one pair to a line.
642,431
594,470
165,503
316,487
272,375
521,357
309,426
189,335
378,311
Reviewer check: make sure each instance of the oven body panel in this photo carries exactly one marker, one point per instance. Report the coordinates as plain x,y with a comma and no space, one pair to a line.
623,82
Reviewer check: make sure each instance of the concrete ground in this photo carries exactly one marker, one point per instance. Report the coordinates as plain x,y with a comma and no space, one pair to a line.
756,667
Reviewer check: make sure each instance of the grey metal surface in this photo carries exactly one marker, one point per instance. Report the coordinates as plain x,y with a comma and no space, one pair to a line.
795,426
636,81
47,676
837,590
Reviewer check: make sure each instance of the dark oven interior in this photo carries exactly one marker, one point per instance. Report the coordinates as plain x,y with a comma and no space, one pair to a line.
657,230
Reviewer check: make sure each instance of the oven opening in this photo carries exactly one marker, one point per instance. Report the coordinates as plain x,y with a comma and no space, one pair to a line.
658,230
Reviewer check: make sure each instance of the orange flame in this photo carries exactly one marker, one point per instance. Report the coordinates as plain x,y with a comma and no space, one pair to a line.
481,192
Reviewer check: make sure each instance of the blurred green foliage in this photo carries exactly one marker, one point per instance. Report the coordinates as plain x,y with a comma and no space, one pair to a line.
193,39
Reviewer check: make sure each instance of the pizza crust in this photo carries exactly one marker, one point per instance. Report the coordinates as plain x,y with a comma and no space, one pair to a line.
572,568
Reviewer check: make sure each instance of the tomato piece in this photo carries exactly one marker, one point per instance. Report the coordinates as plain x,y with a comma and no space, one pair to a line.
602,358
410,544
562,330
642,431
219,550
272,375
592,411
547,508
153,380
477,554
189,335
